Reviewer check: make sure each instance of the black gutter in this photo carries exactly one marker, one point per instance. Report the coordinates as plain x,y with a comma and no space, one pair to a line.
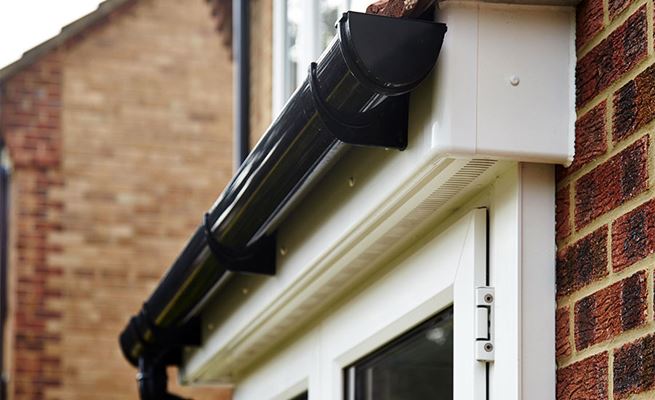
4,258
241,46
357,94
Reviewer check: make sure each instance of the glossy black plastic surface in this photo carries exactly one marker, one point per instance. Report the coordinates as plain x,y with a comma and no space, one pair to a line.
298,148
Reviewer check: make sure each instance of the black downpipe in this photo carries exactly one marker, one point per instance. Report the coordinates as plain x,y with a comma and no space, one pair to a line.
357,94
241,46
4,257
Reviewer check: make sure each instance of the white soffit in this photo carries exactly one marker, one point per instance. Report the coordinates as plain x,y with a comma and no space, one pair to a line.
504,84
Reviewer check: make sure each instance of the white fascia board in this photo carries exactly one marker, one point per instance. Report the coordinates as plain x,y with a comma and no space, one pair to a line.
504,84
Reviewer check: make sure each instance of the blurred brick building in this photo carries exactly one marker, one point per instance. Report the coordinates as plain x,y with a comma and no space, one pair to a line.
118,131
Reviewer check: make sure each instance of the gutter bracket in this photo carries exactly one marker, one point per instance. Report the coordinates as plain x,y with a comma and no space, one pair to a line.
259,260
384,126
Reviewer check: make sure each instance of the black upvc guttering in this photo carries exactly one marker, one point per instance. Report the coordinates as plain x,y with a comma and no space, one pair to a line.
356,94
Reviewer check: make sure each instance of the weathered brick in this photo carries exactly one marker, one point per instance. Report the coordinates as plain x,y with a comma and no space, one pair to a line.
621,51
582,262
589,21
615,7
103,206
609,185
633,236
633,104
562,326
611,311
562,220
590,136
584,380
634,367
590,140
32,136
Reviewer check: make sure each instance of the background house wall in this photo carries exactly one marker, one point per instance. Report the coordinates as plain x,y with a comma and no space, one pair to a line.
606,210
119,139
261,68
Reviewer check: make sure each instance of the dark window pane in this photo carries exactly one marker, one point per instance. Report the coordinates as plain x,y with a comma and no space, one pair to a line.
417,365
303,396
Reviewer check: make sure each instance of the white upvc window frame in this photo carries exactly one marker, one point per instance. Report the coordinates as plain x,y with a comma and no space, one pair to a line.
443,272
520,262
451,284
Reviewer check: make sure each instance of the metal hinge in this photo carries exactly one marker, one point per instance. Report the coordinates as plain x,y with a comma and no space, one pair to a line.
484,323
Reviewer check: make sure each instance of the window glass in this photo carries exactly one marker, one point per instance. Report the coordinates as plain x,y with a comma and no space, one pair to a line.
303,396
306,28
417,365
359,5
294,16
330,11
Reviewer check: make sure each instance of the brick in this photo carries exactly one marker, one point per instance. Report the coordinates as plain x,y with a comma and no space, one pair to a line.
621,51
562,326
590,140
612,183
583,262
31,140
590,137
633,236
589,21
633,104
634,367
609,312
398,8
615,7
584,380
147,127
562,220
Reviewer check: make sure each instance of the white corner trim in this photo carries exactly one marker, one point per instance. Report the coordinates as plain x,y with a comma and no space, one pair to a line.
504,82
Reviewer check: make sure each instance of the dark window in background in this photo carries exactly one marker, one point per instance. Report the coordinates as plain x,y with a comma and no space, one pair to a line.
303,396
417,365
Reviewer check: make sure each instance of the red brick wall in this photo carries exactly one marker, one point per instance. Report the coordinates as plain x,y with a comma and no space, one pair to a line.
606,210
119,140
30,124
